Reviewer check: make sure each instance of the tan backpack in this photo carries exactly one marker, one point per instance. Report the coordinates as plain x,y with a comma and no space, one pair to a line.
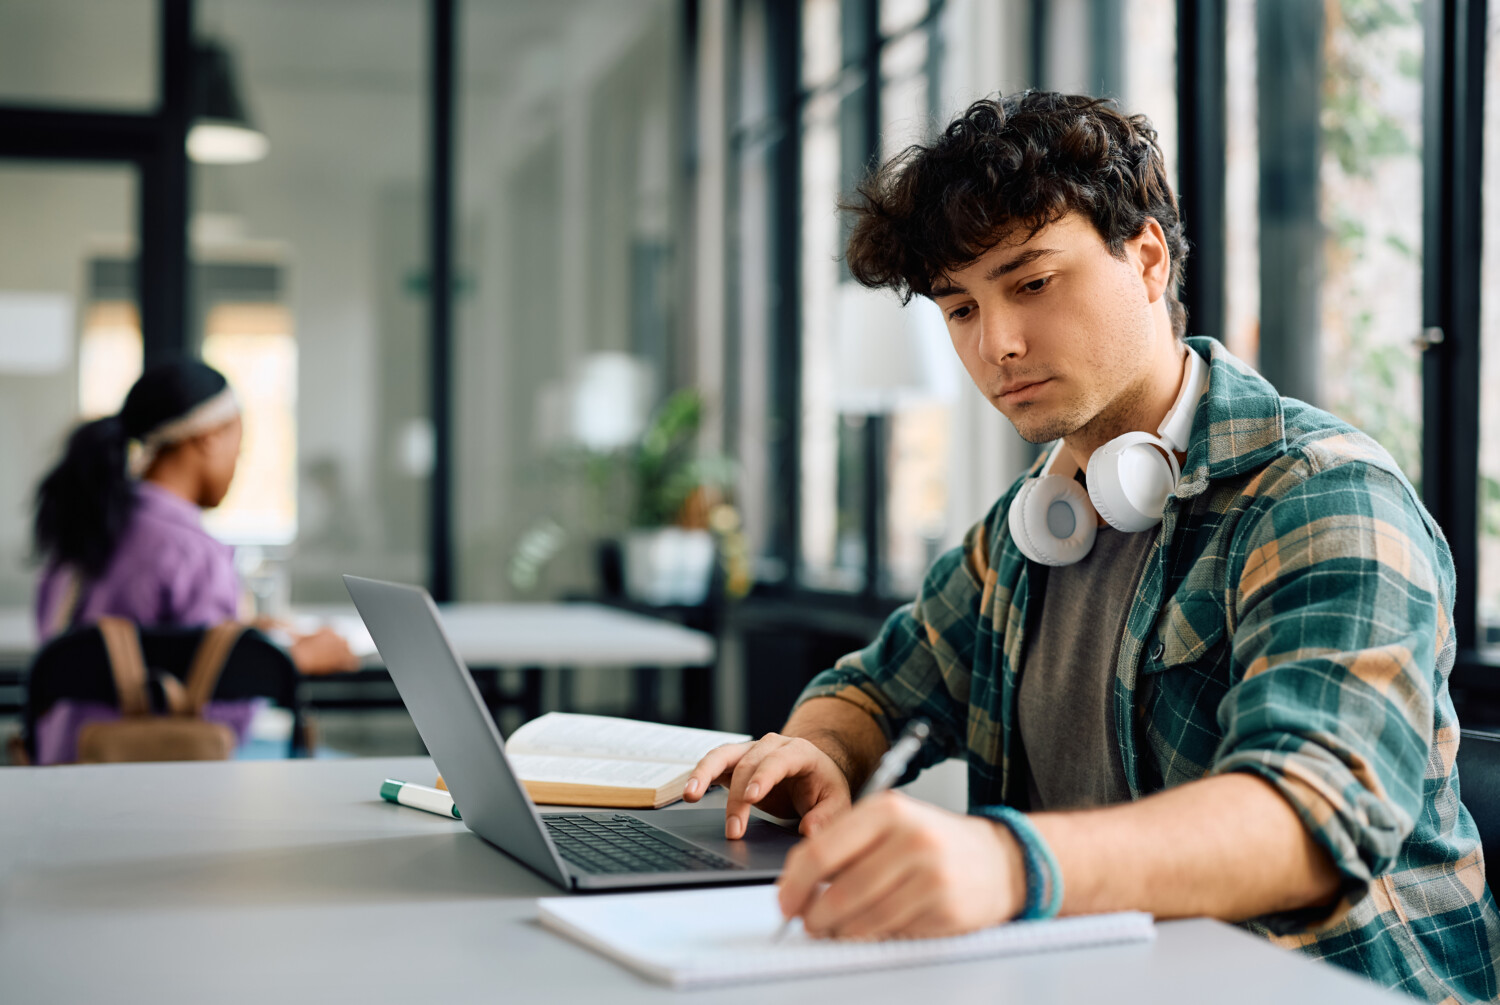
180,735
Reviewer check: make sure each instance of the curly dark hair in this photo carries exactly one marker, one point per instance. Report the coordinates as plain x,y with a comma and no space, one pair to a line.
1021,161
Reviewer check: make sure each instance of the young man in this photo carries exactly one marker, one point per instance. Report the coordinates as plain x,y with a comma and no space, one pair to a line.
1240,711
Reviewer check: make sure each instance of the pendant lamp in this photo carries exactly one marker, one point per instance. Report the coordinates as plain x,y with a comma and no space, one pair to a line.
222,132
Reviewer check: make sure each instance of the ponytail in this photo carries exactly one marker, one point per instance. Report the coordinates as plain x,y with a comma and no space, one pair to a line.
86,501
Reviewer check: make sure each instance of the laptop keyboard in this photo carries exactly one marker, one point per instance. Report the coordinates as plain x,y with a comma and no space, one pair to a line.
617,843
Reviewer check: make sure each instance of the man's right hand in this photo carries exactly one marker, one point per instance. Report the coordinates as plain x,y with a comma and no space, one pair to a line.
786,776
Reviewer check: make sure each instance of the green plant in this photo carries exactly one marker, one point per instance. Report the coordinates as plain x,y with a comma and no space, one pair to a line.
1489,506
665,465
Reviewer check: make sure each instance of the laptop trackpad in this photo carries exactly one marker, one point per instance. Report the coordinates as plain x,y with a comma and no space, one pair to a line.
764,846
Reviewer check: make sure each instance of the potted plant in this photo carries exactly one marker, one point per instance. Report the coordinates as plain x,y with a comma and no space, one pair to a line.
669,551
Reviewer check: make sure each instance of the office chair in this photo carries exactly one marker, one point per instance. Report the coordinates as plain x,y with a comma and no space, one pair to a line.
75,666
1479,786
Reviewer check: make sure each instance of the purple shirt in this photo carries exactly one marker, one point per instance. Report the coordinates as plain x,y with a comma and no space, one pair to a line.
166,571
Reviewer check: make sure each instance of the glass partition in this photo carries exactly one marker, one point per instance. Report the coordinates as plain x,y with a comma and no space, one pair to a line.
70,342
95,54
567,328
310,291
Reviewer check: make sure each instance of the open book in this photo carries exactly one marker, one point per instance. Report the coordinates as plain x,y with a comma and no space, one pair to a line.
598,760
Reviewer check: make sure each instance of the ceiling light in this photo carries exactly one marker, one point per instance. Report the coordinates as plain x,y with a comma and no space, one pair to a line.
222,132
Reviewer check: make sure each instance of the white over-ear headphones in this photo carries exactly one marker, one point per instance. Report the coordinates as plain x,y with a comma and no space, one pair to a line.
1053,520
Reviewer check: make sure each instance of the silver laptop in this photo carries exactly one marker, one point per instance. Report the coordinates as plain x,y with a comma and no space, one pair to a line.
576,850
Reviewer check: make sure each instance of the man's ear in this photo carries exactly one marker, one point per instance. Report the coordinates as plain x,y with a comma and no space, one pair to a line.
1153,258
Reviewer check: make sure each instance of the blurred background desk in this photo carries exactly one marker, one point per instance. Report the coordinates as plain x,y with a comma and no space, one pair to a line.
292,881
533,638
496,640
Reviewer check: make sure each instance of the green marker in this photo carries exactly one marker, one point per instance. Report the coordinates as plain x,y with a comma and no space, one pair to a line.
419,797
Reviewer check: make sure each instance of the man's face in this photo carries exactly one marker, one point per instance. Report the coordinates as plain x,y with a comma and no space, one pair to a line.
1060,335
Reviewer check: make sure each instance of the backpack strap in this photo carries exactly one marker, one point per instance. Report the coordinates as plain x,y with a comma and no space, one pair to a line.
122,643
69,605
208,663
172,692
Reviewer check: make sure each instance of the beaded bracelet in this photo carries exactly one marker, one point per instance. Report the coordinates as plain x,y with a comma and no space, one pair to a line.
1044,883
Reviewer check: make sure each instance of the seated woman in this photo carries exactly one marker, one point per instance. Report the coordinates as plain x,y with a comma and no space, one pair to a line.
118,524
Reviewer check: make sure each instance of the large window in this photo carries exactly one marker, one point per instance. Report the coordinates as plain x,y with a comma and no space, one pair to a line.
1324,209
876,379
1371,170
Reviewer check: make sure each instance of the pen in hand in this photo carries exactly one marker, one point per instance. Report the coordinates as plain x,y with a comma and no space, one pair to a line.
891,767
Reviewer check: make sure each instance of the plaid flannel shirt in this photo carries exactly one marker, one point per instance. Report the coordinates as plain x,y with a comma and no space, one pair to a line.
1294,621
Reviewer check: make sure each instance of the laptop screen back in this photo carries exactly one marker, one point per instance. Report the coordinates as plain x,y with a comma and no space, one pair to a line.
451,716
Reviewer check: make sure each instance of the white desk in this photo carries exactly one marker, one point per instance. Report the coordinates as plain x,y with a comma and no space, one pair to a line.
17,636
487,636
292,881
493,635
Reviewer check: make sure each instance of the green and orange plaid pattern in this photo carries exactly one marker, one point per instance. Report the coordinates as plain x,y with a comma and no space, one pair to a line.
1294,620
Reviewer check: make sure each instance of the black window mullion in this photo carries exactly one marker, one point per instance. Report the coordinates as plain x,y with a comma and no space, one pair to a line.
47,134
441,134
859,152
1201,165
1452,182
163,277
1289,74
784,52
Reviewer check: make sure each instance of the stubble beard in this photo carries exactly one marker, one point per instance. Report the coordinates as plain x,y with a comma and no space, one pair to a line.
1090,422
1044,428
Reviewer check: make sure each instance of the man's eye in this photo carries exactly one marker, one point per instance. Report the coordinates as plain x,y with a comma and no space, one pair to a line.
959,313
1036,285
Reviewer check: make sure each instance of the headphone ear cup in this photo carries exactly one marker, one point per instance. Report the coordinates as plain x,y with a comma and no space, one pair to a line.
1130,479
1052,521
1019,532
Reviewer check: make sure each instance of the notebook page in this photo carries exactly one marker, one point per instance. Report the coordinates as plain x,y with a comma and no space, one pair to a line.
727,935
569,734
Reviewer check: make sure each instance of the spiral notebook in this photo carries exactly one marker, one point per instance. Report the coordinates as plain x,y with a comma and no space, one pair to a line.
726,935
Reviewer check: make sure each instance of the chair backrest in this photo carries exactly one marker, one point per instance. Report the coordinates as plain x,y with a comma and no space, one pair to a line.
75,666
1479,786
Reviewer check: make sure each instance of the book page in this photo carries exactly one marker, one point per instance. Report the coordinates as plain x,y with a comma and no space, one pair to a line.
593,771
569,734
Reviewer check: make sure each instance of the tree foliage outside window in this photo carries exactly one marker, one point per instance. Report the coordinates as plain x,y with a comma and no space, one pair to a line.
1372,208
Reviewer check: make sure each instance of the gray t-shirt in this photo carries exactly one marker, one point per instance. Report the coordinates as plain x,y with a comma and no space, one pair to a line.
1066,698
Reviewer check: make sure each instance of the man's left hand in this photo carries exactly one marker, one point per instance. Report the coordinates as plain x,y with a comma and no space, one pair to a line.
896,866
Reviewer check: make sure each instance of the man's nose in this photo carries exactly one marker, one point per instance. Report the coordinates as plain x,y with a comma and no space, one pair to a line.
999,340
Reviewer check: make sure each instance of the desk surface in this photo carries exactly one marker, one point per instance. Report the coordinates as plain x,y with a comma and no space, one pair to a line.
292,881
493,635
